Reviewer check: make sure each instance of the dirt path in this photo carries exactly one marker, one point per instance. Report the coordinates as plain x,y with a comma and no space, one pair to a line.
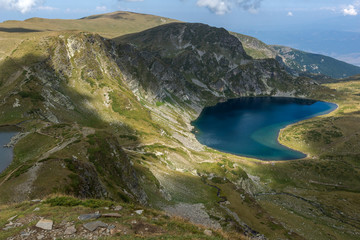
9,175
57,148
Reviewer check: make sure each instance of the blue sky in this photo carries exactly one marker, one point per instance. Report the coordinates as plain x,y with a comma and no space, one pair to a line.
330,27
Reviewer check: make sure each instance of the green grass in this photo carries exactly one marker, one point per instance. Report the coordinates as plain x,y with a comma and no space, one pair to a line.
32,146
66,208
66,201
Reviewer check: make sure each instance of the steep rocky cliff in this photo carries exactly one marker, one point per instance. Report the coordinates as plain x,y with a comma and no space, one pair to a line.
199,64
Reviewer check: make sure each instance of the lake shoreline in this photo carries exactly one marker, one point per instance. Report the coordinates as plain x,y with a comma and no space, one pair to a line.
308,156
213,128
7,142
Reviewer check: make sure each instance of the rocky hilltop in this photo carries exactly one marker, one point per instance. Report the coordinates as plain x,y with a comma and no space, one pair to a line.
199,64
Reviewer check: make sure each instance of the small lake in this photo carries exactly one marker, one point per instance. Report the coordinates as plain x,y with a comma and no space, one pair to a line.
250,126
6,154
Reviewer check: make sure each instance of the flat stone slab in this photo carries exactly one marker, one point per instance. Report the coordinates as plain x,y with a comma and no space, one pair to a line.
45,224
111,215
70,230
85,217
92,226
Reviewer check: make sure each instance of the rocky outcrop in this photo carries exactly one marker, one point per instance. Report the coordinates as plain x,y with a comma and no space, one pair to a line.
197,65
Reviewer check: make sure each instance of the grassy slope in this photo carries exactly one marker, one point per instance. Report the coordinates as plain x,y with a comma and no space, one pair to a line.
254,47
151,224
107,25
331,176
272,215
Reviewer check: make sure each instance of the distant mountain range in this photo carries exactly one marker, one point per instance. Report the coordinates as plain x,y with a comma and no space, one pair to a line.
299,62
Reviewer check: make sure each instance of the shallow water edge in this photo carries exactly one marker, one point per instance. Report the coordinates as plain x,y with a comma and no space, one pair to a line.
251,126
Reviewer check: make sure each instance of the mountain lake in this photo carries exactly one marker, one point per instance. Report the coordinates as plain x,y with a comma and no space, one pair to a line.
6,154
250,126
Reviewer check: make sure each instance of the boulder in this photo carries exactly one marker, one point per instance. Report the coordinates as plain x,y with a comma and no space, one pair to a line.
208,232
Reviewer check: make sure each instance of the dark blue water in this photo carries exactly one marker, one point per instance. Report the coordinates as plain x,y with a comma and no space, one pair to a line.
6,154
250,126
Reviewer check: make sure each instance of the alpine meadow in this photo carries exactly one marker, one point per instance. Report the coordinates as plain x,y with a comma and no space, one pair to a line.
98,119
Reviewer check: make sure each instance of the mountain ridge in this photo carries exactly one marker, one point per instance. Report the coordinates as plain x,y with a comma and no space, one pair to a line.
112,25
113,121
298,62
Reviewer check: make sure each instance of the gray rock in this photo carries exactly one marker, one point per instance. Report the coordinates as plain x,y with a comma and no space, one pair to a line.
25,234
11,225
92,226
139,212
208,232
111,215
39,237
118,208
111,227
36,200
70,230
89,216
36,209
45,224
12,218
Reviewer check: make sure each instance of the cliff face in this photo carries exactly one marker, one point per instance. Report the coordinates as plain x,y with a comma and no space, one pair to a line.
199,65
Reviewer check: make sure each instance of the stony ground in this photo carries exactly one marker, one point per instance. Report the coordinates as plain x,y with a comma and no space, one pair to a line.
70,218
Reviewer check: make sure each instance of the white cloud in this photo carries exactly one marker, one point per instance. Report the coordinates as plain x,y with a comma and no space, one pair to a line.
221,7
101,8
250,5
350,10
290,14
20,5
